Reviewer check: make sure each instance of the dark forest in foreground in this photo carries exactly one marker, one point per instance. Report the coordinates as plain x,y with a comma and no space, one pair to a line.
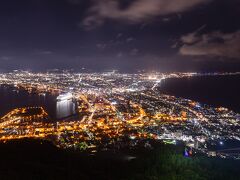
40,160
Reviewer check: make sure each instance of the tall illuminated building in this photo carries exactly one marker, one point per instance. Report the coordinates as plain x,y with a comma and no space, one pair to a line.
65,106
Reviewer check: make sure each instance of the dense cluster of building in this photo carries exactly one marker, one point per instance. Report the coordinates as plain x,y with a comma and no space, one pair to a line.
113,110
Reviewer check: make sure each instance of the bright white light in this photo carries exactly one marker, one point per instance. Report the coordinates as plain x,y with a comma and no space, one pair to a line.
66,96
114,103
132,137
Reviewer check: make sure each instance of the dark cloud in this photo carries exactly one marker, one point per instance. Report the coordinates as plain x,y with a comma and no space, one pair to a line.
136,11
212,44
45,52
134,52
5,58
131,34
130,39
101,46
74,1
192,37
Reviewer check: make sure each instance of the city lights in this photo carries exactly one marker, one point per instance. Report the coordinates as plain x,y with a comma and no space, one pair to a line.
107,115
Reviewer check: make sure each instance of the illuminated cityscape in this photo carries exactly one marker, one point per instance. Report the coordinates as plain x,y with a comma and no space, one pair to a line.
115,111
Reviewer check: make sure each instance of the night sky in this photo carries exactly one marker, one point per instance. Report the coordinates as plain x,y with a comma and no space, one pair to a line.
128,35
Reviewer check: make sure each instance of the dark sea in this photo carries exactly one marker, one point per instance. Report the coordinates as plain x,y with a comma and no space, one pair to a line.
212,90
11,98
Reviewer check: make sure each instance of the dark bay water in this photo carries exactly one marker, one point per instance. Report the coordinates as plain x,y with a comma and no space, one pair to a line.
10,99
212,90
